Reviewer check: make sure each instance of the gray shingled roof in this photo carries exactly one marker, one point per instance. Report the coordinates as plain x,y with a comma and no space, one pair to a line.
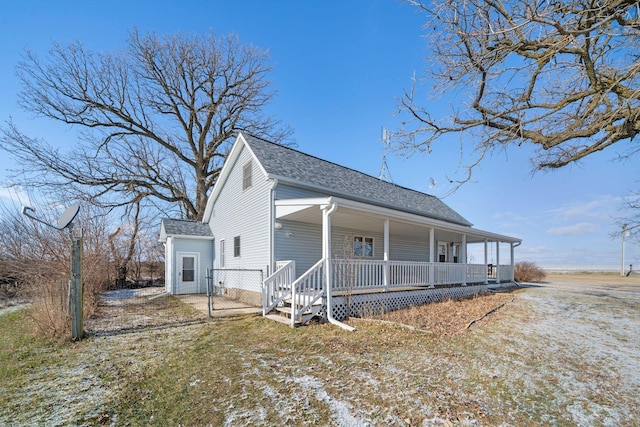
341,181
183,227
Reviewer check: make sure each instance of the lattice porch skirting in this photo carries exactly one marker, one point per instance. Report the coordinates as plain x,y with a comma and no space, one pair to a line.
362,305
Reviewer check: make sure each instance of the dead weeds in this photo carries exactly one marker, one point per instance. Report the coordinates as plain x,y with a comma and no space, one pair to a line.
450,317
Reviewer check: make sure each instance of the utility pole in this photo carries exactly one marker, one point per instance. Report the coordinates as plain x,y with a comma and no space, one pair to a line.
624,231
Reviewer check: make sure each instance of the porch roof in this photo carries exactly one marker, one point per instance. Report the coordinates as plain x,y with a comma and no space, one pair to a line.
369,217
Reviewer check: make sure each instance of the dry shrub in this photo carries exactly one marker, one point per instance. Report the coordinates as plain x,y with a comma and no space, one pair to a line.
528,272
48,293
49,309
38,259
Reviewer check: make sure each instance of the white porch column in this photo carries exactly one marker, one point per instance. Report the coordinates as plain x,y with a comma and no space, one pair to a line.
169,266
326,255
432,257
385,270
326,242
486,262
463,256
513,264
498,262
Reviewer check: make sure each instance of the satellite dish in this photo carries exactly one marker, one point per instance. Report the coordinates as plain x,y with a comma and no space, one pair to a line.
68,216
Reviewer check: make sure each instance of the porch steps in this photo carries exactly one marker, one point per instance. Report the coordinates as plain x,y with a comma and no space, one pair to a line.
284,314
278,318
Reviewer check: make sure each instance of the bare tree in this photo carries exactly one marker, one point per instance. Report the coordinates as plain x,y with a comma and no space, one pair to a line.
561,75
156,119
122,245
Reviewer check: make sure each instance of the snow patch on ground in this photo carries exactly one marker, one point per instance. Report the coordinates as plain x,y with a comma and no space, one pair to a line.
341,410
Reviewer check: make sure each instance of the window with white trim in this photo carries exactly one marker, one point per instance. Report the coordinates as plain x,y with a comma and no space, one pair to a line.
363,246
246,176
221,253
236,246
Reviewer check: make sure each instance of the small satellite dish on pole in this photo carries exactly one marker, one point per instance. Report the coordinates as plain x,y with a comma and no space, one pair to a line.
75,283
67,217
65,220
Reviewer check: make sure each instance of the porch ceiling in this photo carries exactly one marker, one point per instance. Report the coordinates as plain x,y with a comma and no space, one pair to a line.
357,219
346,218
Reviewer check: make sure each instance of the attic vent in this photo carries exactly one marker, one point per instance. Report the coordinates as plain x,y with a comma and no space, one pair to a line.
246,176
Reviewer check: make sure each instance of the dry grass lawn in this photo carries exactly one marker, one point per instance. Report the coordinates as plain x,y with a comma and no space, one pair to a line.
564,353
451,316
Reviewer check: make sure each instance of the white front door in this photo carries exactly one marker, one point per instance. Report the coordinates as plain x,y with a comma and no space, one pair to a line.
188,268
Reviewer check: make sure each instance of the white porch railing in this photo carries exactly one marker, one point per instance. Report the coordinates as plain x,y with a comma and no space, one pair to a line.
476,273
351,274
306,290
280,264
505,273
359,274
402,273
277,287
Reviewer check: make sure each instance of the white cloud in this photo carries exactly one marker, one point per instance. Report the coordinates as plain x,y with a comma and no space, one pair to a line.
579,229
602,207
14,194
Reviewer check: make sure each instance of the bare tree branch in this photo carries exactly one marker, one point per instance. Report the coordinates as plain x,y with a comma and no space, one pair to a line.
157,118
563,76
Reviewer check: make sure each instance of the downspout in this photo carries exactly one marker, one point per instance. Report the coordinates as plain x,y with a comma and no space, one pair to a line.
514,245
272,226
327,266
498,262
172,276
463,256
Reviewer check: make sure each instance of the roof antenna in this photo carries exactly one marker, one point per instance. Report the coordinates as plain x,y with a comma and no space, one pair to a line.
385,175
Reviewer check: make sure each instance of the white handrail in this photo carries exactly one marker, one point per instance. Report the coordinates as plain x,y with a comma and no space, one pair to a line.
277,287
306,290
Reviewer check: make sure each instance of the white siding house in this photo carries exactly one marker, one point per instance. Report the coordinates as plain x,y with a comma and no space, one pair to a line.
188,254
320,231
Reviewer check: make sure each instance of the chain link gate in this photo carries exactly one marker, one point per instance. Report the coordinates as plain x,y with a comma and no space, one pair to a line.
229,288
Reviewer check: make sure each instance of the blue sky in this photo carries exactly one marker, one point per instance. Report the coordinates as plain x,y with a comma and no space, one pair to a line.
339,67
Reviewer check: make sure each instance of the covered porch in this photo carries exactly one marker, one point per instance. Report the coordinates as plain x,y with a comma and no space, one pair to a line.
372,249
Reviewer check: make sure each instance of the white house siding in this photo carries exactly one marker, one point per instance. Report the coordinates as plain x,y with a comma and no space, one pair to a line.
204,249
401,248
298,241
244,213
284,191
302,242
342,242
405,248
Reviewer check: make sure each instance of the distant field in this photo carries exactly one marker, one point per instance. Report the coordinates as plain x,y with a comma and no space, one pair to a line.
589,268
594,279
563,352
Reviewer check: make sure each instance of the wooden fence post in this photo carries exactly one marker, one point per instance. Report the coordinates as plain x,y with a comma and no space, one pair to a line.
75,309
